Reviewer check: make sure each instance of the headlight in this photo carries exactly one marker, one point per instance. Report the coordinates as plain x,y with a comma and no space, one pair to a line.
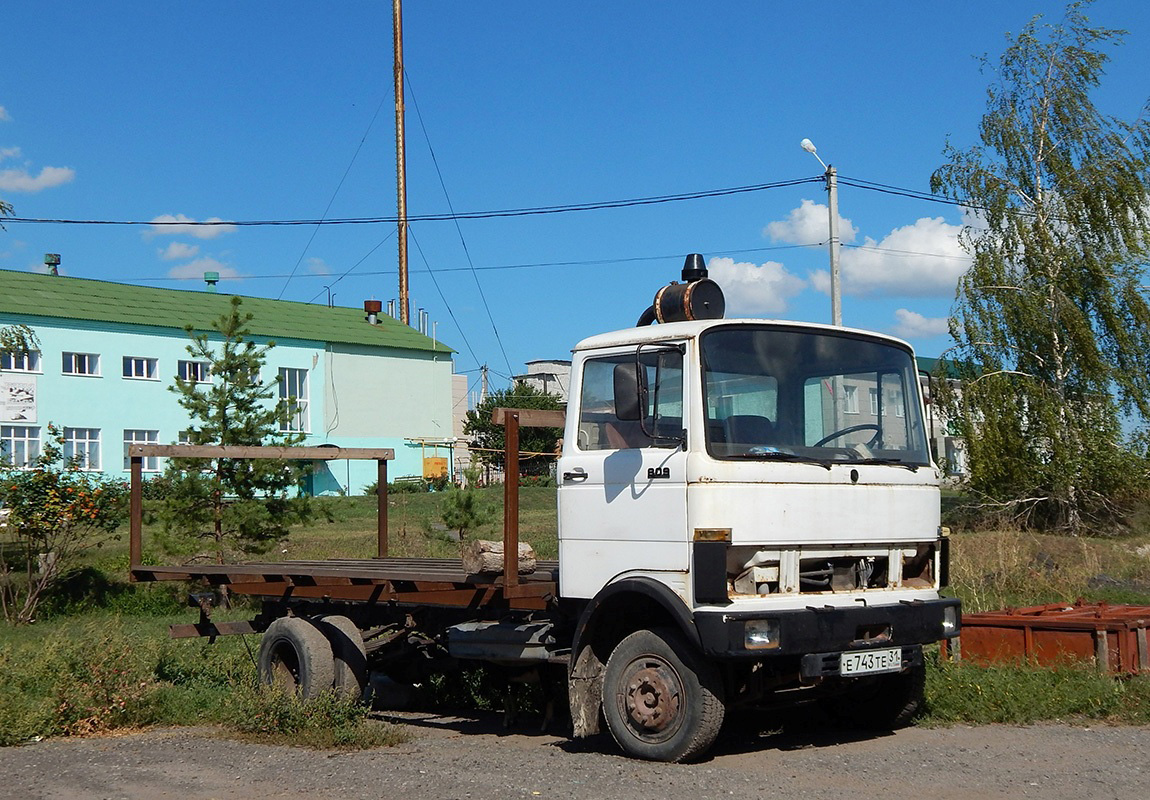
761,634
949,622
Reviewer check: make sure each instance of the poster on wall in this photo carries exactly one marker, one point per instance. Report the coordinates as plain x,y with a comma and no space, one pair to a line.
17,398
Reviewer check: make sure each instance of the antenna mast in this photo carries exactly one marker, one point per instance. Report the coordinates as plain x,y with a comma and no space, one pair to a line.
400,159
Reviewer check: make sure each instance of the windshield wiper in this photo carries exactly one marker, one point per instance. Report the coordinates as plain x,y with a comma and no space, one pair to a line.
897,462
782,455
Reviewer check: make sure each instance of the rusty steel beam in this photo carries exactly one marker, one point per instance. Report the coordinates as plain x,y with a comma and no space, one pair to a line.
136,515
511,498
381,507
260,452
530,417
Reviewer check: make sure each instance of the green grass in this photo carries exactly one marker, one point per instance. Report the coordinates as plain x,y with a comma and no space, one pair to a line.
100,659
958,692
98,673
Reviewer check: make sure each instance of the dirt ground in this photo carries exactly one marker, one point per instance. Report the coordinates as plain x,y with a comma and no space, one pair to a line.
454,758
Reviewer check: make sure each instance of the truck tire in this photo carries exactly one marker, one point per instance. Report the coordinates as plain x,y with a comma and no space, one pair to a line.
349,655
296,657
662,700
881,703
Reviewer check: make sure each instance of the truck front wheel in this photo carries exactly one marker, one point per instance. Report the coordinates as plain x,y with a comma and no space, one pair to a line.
296,657
661,699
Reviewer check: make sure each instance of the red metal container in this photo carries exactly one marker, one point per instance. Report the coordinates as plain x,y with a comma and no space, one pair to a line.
1112,636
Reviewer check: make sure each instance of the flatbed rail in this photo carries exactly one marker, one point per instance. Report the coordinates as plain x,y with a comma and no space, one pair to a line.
400,581
423,581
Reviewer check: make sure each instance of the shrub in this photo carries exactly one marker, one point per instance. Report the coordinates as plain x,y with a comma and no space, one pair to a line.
57,512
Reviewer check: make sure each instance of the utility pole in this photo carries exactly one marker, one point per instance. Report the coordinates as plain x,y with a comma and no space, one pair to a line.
832,176
400,159
483,384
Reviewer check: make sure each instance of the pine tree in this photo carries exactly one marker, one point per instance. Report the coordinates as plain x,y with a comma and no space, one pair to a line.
229,505
1051,321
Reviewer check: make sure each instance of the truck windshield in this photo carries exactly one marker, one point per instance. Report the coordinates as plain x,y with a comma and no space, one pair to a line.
801,394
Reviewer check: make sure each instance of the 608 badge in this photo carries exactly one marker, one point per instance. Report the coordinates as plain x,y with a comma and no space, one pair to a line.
658,472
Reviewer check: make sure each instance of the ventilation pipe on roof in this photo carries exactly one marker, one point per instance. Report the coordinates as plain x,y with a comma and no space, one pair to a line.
391,308
211,279
52,262
423,321
372,307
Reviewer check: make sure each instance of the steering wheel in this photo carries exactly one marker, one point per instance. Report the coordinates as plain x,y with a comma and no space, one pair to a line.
866,426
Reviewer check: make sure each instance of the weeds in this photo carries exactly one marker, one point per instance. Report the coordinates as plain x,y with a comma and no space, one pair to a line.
997,569
105,673
328,721
958,692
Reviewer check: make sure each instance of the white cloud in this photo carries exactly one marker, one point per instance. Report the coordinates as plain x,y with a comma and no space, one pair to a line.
919,260
20,180
197,268
181,225
317,266
9,152
912,325
755,289
4,115
809,224
178,250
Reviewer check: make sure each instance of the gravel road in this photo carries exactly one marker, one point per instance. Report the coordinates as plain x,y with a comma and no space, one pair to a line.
454,758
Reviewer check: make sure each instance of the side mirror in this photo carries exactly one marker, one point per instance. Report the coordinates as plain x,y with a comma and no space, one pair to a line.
630,382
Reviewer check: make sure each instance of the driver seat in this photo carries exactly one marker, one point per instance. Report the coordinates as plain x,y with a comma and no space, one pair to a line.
749,429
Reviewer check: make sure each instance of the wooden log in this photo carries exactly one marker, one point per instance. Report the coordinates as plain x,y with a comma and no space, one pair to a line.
482,557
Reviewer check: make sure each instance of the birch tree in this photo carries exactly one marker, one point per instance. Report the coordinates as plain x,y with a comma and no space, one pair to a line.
1051,321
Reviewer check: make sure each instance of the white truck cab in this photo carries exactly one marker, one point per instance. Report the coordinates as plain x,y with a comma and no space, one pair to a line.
765,486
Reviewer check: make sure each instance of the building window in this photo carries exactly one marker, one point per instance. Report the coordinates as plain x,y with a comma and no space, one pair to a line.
150,463
20,362
874,402
19,445
81,364
83,445
195,371
850,399
293,392
144,368
894,400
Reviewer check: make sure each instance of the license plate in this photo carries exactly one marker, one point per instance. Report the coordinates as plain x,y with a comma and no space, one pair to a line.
870,662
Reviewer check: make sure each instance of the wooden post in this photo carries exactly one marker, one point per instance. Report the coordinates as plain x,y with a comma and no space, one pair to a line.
511,500
381,506
136,514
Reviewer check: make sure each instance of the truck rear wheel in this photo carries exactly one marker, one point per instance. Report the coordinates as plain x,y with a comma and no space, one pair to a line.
661,699
295,657
349,654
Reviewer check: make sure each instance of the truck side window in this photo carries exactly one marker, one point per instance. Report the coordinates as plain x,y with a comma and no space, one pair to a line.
601,429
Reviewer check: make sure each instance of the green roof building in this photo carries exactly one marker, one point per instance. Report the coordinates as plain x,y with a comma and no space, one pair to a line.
109,352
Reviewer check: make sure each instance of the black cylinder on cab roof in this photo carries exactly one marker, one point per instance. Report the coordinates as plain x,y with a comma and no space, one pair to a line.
698,297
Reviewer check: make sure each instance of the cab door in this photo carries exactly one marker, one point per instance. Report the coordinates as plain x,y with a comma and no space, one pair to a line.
622,483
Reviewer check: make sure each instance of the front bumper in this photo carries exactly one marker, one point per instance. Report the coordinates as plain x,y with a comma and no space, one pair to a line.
823,629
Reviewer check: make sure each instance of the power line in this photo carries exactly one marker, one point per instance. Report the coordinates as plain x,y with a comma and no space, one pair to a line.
339,186
501,213
528,265
381,243
458,229
447,305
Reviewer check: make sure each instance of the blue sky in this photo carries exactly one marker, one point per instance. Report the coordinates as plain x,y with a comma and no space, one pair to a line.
272,111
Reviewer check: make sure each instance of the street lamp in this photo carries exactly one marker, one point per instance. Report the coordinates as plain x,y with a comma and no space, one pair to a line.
832,177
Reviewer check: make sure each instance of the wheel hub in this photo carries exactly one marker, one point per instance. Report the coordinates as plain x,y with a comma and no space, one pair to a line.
652,698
